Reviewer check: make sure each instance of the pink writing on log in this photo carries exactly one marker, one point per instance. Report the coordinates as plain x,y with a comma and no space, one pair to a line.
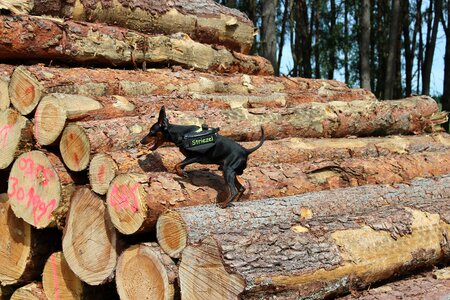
122,196
4,131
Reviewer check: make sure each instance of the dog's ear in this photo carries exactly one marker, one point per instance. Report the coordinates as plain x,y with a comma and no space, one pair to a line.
162,115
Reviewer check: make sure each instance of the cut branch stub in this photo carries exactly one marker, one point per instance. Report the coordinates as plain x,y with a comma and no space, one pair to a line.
34,189
143,268
58,280
25,90
102,170
15,136
49,121
126,203
75,148
90,241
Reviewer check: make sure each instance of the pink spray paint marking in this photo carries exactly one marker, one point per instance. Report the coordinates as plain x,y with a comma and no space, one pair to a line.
4,131
122,197
55,278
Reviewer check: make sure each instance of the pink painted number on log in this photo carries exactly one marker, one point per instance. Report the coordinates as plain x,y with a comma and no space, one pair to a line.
122,196
4,131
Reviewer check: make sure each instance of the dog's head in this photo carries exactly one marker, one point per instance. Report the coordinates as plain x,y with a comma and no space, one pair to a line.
156,133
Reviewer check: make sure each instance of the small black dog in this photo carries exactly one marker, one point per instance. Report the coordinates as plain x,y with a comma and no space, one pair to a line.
205,147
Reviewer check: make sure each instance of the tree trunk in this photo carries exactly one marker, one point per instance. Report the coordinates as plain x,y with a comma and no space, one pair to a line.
23,249
88,43
432,31
332,51
446,93
365,44
269,32
39,189
15,136
135,200
349,234
235,90
143,268
392,54
31,291
284,21
90,243
413,115
205,21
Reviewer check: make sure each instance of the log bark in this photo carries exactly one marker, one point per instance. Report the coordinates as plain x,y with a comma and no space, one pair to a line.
421,286
31,291
135,200
58,280
90,243
241,88
16,136
143,268
44,39
297,248
23,249
334,119
39,188
204,21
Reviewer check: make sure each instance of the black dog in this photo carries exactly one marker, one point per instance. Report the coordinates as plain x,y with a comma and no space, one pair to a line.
205,147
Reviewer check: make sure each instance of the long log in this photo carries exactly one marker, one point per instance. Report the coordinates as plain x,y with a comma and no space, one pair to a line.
315,245
421,286
204,21
44,39
39,189
316,120
237,90
23,249
143,268
135,200
90,243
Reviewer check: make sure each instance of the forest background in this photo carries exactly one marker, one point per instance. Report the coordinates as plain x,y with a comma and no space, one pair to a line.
395,48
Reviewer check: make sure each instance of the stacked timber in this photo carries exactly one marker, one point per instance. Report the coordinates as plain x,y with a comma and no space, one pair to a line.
347,191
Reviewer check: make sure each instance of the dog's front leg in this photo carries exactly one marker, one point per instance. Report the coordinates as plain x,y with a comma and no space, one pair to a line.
179,167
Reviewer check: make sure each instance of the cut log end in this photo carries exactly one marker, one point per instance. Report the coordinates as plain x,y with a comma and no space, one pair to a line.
102,170
126,205
75,148
58,280
25,91
90,242
4,95
15,244
143,268
34,189
15,136
49,121
171,233
31,291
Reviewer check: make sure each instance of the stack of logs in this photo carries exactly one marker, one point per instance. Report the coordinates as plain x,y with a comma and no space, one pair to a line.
346,192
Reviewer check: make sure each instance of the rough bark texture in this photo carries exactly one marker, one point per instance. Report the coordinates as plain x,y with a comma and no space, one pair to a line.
23,249
58,280
39,188
334,119
204,21
143,268
299,248
90,242
421,286
41,38
242,89
135,201
31,291
15,136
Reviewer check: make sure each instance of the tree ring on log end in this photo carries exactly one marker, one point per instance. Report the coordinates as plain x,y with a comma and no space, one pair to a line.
49,121
171,233
90,240
25,90
139,271
34,189
75,148
102,170
126,204
15,244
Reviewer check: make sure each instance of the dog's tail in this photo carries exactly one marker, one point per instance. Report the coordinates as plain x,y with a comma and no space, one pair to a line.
249,151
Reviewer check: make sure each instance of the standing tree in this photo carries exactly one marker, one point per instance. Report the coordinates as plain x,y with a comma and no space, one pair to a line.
365,44
392,55
446,96
269,31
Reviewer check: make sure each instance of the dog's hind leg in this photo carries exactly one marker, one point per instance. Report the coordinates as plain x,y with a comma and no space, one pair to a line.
240,188
179,167
230,177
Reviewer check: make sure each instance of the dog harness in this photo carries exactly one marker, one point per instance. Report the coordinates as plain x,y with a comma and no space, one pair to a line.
199,141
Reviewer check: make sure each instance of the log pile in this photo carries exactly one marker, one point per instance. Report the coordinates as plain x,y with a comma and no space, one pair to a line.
346,192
